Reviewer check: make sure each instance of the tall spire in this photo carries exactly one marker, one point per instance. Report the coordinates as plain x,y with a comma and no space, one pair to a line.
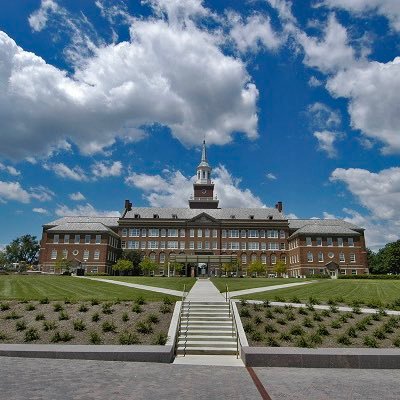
204,161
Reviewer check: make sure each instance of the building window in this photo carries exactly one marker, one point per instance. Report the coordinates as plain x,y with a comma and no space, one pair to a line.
144,233
182,245
199,245
263,246
331,255
329,241
282,234
273,246
283,259
162,245
163,232
191,233
162,258
153,257
273,259
96,254
341,257
252,233
143,245
95,270
253,257
98,239
172,232
152,244
182,233
243,245
66,239
272,234
207,233
262,234
263,259
207,245
233,233
319,241
124,232
354,272
191,245
283,246
308,241
123,244
77,239
87,239
352,257
244,259
215,233
199,233
134,232
215,245
320,257
56,239
243,234
350,242
86,255
310,257
340,242
133,244
154,232
223,233
233,246
253,245
172,244
224,246
65,253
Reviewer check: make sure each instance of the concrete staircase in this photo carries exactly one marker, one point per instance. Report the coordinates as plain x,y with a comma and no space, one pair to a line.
206,328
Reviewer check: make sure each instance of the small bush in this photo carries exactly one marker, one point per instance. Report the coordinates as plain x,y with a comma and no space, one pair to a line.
79,325
94,302
20,325
31,335
61,337
107,308
280,299
94,338
13,315
317,317
379,333
144,327
137,309
315,338
248,327
361,326
349,315
344,339
307,322
3,336
108,326
351,332
256,336
40,317
323,330
382,312
310,307
96,317
269,328
269,314
336,324
367,320
290,316
128,338
245,313
278,310
302,341
30,307
333,309
325,313
356,303
140,300
356,310
63,316
295,299
57,307
376,316
83,308
165,309
266,303
387,328
331,302
270,341
168,301
45,300
125,317
396,341
312,300
257,307
153,319
370,342
4,306
343,318
160,339
49,325
285,336
339,299
258,320
296,330
302,311
281,321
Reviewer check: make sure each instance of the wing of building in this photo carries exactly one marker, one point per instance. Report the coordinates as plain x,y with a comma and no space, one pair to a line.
203,236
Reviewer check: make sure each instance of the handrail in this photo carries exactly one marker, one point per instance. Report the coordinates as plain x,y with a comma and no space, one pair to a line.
186,331
234,322
180,317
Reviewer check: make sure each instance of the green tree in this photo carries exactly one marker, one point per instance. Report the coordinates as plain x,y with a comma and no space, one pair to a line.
4,263
63,264
135,257
372,262
122,265
147,266
176,267
23,249
227,268
256,267
388,259
280,268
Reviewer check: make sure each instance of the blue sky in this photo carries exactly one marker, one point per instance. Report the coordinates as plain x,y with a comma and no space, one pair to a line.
103,101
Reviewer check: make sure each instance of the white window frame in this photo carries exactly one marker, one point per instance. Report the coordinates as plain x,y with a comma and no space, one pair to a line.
96,255
98,239
56,239
308,241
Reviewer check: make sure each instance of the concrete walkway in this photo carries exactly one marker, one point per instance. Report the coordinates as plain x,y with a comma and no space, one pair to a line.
204,290
137,286
267,288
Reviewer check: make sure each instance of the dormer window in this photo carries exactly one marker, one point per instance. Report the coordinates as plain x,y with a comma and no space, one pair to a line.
156,216
251,216
233,216
269,216
174,216
137,216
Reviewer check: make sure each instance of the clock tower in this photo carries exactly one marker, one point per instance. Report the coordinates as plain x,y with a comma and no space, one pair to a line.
203,188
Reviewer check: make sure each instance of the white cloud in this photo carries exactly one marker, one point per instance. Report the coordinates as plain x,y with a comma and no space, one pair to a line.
63,171
314,82
86,210
174,189
291,216
40,210
41,193
253,34
38,19
103,169
323,116
271,176
78,196
327,215
10,169
13,191
326,141
388,8
172,74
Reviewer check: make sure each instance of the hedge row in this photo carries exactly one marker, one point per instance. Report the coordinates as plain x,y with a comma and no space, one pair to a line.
390,277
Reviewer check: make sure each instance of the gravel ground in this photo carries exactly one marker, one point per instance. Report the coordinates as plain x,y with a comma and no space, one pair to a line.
273,326
22,314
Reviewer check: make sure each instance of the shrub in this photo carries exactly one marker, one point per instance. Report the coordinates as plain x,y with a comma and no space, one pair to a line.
13,315
376,316
266,303
125,317
140,300
63,316
325,313
323,330
295,299
356,310
160,339
379,333
336,324
107,308
40,317
302,341
396,341
168,301
20,325
31,335
136,308
30,307
278,310
315,338
393,322
351,332
269,314
128,338
382,312
269,328
387,328
108,326
61,337
331,302
344,339
165,309
4,306
370,341
144,327
257,307
3,336
256,336
83,308
45,300
339,299
258,320
302,311
361,325
333,309
94,302
290,316
245,313
317,317
307,322
79,325
374,304
349,315
153,319
312,300
285,336
281,321
248,327
356,303
296,330
343,318
96,317
243,302
94,338
367,320
310,307
49,325
57,307
270,341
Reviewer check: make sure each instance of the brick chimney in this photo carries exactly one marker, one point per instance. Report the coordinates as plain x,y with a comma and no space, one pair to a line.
279,206
128,205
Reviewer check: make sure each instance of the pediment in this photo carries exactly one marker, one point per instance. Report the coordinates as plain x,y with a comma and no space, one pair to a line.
332,266
203,218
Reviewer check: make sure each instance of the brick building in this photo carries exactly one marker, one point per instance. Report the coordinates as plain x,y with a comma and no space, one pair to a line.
204,236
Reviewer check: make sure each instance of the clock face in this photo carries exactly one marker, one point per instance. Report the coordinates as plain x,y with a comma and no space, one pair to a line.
204,191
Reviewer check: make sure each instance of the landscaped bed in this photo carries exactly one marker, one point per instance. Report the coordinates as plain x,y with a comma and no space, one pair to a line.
274,326
249,283
85,322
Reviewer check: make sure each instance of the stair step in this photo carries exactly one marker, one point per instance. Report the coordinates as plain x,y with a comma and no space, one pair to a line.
207,350
196,338
209,332
207,343
207,323
211,319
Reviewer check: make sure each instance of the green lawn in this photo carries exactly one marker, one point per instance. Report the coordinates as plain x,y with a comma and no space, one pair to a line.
366,291
248,283
175,283
21,287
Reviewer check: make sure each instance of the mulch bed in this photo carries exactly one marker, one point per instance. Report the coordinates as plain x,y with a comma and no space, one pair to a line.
116,322
286,326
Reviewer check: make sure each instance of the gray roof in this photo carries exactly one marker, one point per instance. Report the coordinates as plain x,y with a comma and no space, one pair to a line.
219,213
106,221
81,227
323,226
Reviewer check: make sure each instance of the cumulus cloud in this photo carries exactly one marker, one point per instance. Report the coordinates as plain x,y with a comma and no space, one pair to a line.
326,141
13,191
78,196
41,193
314,82
173,189
104,169
84,209
9,169
169,73
388,8
323,116
254,33
38,19
40,210
270,176
63,171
